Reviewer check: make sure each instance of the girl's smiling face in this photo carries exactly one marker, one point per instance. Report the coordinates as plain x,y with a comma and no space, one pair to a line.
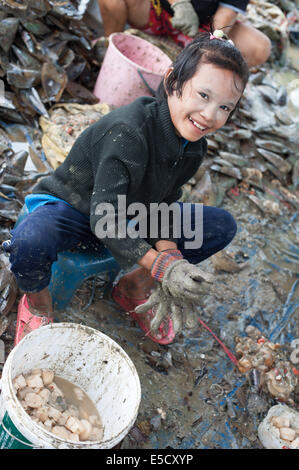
207,101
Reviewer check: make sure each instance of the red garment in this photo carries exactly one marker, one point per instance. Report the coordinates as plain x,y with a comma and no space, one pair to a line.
160,24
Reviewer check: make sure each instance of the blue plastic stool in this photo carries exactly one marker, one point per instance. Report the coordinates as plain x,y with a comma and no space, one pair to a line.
73,267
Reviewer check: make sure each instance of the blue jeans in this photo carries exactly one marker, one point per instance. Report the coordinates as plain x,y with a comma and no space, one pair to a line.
57,227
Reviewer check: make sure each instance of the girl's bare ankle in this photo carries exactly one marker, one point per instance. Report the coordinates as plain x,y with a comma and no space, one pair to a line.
136,285
39,306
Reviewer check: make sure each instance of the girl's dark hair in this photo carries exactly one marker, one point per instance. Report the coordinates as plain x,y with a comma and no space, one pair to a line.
202,50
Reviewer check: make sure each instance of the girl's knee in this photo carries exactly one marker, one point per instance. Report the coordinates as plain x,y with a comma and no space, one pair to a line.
27,239
29,243
30,260
227,225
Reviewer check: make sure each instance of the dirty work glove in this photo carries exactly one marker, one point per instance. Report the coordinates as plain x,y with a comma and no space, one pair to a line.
164,307
185,17
179,278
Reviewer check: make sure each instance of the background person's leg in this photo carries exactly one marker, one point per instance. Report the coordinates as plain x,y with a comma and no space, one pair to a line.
254,45
117,13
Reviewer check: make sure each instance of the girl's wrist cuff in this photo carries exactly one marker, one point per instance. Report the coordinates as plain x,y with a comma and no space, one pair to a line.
164,259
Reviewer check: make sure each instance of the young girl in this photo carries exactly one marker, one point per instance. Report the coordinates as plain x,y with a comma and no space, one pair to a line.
144,152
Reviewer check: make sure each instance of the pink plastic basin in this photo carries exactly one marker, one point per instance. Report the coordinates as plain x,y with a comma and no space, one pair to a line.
119,82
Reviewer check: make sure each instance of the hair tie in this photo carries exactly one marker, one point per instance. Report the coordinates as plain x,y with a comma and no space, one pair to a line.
219,34
215,36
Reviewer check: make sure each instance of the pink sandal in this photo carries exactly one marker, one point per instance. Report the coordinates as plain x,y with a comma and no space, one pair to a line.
129,306
27,321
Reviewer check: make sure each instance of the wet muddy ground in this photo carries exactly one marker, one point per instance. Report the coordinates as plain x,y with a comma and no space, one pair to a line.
192,394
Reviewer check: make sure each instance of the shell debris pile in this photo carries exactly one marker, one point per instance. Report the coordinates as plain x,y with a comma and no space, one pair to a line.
257,352
48,406
64,125
46,56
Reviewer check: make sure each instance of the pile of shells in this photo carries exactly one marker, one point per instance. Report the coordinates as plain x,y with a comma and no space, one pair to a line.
46,56
255,351
65,124
276,374
47,405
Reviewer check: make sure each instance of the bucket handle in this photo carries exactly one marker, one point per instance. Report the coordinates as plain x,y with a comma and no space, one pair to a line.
150,89
19,440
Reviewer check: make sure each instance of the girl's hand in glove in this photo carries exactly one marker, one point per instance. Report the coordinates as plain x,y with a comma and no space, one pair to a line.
179,278
164,306
185,17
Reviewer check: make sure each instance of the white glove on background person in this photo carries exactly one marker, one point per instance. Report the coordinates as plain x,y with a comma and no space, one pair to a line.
185,17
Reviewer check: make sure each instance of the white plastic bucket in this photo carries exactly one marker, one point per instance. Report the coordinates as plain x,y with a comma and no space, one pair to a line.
129,64
89,359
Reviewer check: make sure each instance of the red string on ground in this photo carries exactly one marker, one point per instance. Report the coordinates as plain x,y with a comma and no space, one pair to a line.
228,352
